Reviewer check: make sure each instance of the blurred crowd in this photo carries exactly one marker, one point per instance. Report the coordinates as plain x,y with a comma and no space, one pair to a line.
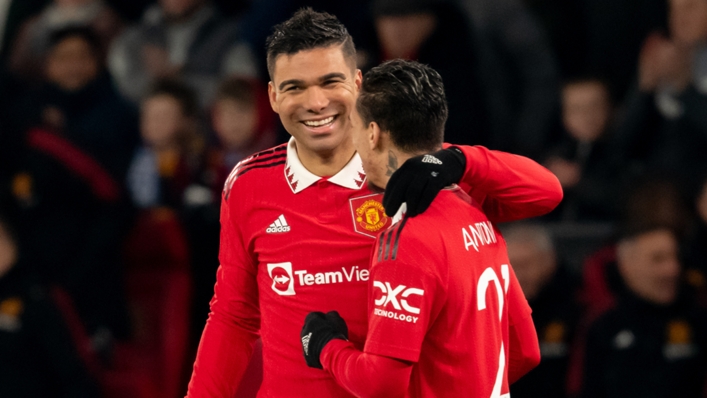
120,121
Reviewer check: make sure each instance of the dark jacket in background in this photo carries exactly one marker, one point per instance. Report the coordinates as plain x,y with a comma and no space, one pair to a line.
615,33
594,198
639,349
73,216
671,146
39,358
556,314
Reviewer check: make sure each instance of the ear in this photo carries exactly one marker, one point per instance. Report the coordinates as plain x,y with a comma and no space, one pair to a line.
374,136
358,79
272,96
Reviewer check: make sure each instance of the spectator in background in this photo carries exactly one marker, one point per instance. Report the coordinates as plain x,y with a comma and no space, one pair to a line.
615,30
243,123
165,164
665,126
32,43
39,358
581,158
518,73
551,293
180,38
653,343
79,135
438,34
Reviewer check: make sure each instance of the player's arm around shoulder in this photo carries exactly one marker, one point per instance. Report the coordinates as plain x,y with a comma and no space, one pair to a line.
511,187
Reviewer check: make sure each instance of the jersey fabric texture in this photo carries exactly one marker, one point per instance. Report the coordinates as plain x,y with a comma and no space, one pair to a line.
292,243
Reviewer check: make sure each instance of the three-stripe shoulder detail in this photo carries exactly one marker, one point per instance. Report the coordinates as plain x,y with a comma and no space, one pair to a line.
388,242
264,159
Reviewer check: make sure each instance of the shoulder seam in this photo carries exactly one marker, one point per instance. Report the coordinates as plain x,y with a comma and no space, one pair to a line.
267,158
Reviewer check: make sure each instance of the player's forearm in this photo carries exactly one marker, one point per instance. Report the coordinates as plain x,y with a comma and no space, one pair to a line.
223,356
524,350
511,187
365,375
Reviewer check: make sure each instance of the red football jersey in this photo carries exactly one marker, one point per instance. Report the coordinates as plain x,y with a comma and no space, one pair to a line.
441,289
293,242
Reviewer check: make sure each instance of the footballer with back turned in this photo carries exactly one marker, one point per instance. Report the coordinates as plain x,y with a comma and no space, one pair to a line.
446,314
298,221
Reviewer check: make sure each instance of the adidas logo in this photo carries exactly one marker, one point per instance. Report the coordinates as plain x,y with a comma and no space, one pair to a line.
279,226
431,159
305,343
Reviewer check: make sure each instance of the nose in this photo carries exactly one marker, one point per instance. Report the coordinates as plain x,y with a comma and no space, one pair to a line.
316,99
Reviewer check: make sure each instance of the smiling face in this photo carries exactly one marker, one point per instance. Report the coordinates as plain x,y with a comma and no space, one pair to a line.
313,92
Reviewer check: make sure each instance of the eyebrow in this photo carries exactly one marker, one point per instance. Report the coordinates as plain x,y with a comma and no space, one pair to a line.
324,78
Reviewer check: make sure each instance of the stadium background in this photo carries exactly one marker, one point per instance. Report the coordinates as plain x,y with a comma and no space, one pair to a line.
119,121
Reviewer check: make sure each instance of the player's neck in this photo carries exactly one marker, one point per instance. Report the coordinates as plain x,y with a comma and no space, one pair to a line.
328,163
392,158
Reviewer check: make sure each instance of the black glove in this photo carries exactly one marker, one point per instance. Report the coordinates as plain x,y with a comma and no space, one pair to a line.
420,178
318,330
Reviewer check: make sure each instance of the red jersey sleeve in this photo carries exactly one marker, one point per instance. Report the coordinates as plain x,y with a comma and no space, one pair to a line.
365,375
509,187
524,349
404,297
233,324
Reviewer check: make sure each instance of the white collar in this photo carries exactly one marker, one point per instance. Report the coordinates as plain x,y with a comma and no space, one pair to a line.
400,214
351,176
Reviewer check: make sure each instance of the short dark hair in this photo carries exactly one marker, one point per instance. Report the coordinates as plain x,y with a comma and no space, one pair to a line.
84,32
237,89
405,98
632,231
306,30
182,93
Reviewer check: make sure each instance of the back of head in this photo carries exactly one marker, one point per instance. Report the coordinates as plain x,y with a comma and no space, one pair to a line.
405,98
307,30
